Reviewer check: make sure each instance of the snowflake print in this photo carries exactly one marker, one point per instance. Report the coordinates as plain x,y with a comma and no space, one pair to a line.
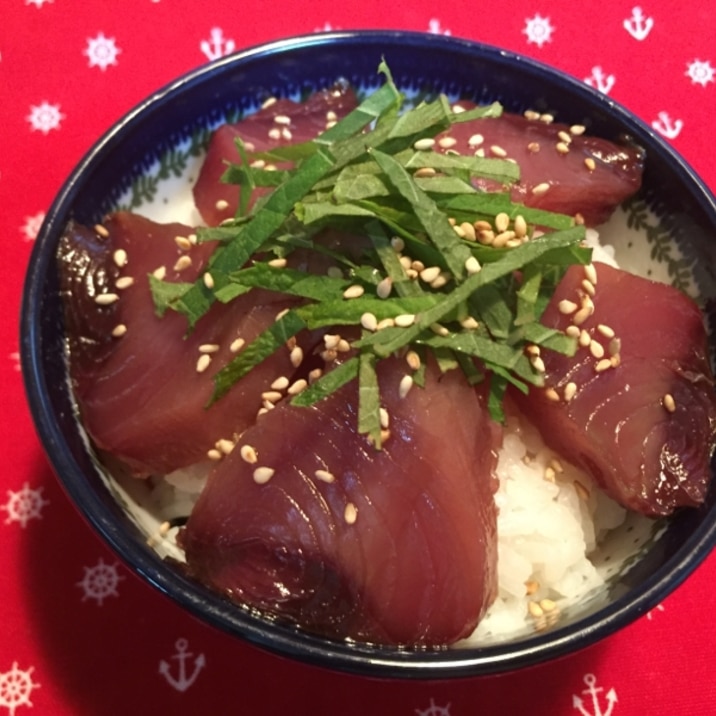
538,30
45,117
434,710
101,51
31,227
100,582
16,686
24,505
700,73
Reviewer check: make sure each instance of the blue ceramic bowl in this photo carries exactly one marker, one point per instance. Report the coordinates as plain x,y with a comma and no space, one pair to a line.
124,168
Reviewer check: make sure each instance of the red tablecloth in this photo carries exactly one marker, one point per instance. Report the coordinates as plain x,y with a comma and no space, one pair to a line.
79,633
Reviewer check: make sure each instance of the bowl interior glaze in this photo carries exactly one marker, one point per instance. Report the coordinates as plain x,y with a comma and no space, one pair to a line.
181,114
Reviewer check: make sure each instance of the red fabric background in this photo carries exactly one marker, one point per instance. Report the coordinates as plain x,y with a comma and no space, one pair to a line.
63,652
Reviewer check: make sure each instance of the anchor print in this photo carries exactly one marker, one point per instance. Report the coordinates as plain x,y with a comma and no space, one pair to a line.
182,680
217,46
594,692
601,81
638,25
670,128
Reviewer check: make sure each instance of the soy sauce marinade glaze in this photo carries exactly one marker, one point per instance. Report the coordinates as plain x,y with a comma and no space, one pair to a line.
340,349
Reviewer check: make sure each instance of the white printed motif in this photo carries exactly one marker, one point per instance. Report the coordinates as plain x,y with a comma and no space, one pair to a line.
217,46
37,3
15,360
538,30
182,680
594,693
700,73
651,612
100,582
31,227
326,27
435,28
16,686
600,81
101,51
434,710
638,25
24,505
45,117
670,128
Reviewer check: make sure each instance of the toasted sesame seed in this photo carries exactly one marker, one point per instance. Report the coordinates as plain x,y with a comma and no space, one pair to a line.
669,403
369,321
549,474
565,137
441,280
430,274
343,346
531,114
350,514
324,476
277,263
605,330
582,315
263,474
384,417
281,383
208,280
570,390
469,323
225,446
486,236
498,151
567,307
424,173
502,238
297,387
502,222
590,164
413,359
547,118
404,320
296,356
248,454
272,396
120,258
540,189
552,394
385,323
203,363
160,273
406,383
533,147
119,330
602,365
105,299
101,230
417,265
547,605
520,226
472,266
183,242
535,610
384,287
397,243
584,338
531,586
572,331
124,282
314,375
562,147
447,142
424,144
459,230
615,346
214,454
237,345
183,262
577,129
588,287
439,329
468,231
209,348
475,140
537,364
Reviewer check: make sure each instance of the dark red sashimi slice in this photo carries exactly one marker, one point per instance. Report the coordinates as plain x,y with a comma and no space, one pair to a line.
140,394
547,160
643,418
277,124
418,564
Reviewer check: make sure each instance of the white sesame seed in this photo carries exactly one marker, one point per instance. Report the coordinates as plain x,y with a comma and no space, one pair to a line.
314,375
209,348
160,273
606,331
424,173
237,345
257,164
274,133
277,263
577,129
330,340
540,189
615,346
447,142
280,383
572,331
546,118
214,454
530,114
182,242
424,144
124,282
441,280
369,321
588,287
439,329
498,151
203,363
603,365
120,258
248,454
384,418
183,262
324,476
406,383
584,338
101,230
406,262
590,272
468,231
470,323
282,119
596,349
582,315
384,287
296,356
430,274
562,147
552,394
413,360
225,446
331,116
268,102
472,266
263,474
343,346
475,140
119,330
537,364
385,323
286,134
297,387
105,299
354,291
272,396
564,136
404,320
520,226
669,402
570,390
350,514
208,280
590,164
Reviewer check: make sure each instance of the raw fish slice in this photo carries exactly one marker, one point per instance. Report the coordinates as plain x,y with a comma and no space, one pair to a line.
645,426
573,186
140,395
418,565
260,131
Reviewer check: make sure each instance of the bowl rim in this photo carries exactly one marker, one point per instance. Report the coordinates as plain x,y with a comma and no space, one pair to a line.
359,659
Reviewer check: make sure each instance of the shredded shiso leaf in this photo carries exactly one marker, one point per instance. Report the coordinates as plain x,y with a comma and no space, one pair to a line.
359,176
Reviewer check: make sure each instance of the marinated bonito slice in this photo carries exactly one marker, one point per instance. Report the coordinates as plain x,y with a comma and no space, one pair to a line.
307,520
635,406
